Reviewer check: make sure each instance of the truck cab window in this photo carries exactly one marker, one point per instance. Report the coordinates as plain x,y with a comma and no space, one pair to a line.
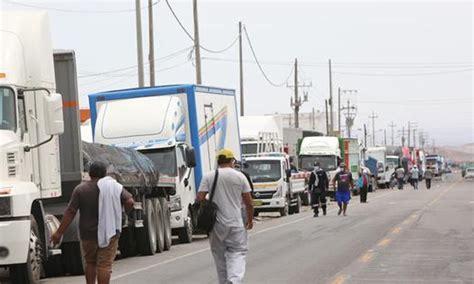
164,160
181,162
7,109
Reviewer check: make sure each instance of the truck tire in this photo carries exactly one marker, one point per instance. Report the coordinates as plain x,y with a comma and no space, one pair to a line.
255,213
167,222
285,210
186,233
146,236
29,272
306,198
298,205
159,225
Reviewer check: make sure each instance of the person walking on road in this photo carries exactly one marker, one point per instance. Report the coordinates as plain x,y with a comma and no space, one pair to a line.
99,228
414,176
400,174
343,190
428,176
363,184
228,238
318,185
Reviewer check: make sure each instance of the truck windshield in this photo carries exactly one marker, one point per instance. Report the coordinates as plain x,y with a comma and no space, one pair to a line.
392,161
264,171
249,149
7,109
327,162
164,160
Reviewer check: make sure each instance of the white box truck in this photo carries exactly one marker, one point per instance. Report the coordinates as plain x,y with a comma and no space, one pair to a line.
180,128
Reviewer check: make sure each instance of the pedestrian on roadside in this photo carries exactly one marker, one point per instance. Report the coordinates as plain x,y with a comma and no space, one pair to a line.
228,237
363,184
99,202
318,185
428,176
414,175
343,189
400,174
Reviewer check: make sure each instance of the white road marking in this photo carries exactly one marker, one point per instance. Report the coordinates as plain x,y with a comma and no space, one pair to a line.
118,276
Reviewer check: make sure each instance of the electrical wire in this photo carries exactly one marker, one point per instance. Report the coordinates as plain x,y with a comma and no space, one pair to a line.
164,58
188,34
77,11
260,66
403,75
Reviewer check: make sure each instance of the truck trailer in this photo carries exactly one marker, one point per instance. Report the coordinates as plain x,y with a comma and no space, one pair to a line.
179,127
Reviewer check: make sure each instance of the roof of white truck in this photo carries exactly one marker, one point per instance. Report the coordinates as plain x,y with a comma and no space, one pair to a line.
252,125
320,145
26,54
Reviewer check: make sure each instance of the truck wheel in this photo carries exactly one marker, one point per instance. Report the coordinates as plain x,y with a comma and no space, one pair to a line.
186,233
72,259
306,198
160,225
298,205
29,272
255,213
167,222
284,210
147,234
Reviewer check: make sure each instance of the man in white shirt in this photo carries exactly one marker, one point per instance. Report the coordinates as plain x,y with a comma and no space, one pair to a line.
228,238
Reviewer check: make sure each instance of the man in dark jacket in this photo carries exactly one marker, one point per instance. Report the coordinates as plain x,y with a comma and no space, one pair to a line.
318,184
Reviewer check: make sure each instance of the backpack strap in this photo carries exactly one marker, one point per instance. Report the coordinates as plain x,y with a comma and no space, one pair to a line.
213,189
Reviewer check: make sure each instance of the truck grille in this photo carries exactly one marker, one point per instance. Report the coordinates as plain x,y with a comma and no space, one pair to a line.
5,207
11,171
11,158
264,195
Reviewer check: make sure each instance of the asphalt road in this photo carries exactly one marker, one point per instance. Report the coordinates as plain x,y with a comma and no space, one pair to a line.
424,236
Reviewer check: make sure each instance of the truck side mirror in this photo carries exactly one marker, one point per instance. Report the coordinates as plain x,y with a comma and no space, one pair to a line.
190,158
53,114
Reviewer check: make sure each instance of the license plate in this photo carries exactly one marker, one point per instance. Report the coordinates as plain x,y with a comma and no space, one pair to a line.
257,203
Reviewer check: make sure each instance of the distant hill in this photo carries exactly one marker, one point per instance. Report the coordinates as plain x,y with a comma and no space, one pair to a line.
464,153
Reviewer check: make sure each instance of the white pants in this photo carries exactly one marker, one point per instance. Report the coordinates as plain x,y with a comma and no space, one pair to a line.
229,246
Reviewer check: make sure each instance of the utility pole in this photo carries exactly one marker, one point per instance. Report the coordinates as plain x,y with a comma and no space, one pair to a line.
414,137
373,117
408,136
327,118
392,126
151,43
241,69
385,137
197,46
138,17
297,102
403,136
314,119
339,111
330,100
364,150
434,148
351,111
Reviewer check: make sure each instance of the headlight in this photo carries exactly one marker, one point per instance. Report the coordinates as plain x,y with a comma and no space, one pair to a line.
5,207
279,191
175,203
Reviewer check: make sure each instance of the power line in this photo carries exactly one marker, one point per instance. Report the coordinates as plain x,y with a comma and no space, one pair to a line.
404,75
260,66
76,11
188,34
164,58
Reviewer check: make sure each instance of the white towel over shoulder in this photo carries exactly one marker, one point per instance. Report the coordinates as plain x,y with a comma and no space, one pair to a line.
110,210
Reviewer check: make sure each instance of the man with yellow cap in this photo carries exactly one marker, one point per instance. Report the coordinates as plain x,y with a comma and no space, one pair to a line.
228,238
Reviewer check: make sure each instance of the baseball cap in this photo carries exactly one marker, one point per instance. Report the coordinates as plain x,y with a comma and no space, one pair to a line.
227,153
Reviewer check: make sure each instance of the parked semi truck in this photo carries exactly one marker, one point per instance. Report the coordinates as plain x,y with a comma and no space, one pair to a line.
43,156
179,127
435,163
323,149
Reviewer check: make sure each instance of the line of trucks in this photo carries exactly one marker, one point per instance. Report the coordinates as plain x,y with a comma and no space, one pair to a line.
159,142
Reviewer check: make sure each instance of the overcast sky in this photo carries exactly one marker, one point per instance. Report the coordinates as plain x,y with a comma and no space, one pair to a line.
408,61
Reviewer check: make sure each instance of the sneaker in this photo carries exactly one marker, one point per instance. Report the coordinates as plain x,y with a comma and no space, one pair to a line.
315,215
339,212
324,212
